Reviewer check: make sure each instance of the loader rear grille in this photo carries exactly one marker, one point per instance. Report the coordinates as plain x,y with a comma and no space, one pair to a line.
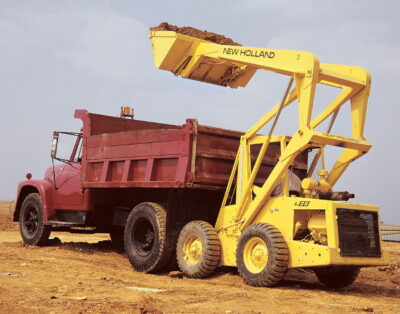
358,233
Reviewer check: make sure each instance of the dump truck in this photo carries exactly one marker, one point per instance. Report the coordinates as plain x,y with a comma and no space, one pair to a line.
204,197
122,173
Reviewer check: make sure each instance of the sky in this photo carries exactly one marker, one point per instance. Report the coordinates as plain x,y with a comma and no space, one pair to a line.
58,56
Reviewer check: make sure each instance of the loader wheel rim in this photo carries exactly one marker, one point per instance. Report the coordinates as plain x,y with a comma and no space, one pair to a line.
31,220
192,250
255,255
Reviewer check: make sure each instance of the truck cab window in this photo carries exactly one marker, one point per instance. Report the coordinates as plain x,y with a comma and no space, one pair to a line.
78,153
68,146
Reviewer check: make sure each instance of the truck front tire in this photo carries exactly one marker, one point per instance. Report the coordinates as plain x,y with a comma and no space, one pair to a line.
145,238
31,221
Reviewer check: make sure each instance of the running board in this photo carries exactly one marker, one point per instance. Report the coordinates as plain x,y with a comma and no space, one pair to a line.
63,223
68,218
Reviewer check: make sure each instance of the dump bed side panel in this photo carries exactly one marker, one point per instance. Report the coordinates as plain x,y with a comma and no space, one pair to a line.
131,153
215,152
120,153
100,124
214,155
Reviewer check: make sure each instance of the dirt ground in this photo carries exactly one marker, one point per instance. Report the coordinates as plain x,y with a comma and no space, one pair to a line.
83,273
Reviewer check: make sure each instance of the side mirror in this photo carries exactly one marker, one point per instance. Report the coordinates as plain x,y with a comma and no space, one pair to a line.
54,143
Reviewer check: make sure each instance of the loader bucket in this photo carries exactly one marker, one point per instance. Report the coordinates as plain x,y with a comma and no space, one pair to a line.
188,57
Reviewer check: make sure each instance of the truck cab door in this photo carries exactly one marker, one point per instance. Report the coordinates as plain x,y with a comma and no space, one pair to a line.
68,189
69,193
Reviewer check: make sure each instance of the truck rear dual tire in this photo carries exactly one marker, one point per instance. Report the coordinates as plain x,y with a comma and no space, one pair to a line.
117,238
146,243
262,255
337,277
31,221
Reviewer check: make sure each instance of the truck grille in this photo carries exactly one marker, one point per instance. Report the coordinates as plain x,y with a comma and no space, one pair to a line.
358,233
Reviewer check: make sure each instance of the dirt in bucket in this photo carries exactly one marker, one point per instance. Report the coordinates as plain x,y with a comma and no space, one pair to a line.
197,33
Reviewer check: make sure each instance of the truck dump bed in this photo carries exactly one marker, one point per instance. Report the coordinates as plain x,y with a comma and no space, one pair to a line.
131,153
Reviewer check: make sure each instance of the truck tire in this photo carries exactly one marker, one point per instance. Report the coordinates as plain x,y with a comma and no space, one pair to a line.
262,255
337,277
117,238
198,249
145,238
31,221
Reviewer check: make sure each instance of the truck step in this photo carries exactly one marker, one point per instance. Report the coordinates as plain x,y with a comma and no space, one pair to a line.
63,223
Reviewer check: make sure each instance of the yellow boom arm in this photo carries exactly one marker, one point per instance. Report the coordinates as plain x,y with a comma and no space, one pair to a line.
234,66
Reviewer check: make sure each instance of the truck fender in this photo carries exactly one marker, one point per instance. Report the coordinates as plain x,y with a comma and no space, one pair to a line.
43,188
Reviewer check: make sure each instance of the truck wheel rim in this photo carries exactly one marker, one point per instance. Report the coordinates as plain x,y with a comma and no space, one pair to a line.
192,250
143,237
255,255
31,220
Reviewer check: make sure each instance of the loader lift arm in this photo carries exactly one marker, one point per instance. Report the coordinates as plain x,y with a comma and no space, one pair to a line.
234,66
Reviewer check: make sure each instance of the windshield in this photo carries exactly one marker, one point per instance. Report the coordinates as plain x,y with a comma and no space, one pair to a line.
69,147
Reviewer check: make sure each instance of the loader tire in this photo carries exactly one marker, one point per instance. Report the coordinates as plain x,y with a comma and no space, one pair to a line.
31,221
145,238
262,255
198,249
337,277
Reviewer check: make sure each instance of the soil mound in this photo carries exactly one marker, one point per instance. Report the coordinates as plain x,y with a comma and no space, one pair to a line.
197,33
